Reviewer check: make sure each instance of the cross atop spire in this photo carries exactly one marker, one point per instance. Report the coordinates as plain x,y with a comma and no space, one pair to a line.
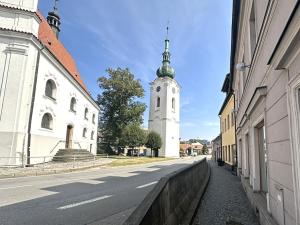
167,29
166,70
55,5
53,19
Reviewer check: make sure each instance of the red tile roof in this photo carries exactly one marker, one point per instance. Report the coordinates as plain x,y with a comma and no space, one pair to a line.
48,38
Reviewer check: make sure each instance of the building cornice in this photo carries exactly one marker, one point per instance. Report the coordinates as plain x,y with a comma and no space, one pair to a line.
288,39
258,95
21,11
4,5
226,100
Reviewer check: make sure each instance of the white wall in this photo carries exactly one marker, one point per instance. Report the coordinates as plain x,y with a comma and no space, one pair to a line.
66,88
16,79
18,60
30,5
164,120
19,20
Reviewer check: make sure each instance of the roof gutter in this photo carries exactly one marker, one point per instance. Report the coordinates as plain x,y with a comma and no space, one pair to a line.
284,31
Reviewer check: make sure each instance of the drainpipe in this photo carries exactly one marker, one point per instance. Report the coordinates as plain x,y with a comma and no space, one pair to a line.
32,103
235,141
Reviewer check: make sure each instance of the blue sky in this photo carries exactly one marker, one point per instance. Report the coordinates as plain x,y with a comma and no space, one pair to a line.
131,33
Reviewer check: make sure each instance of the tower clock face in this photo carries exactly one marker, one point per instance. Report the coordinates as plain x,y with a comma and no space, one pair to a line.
158,88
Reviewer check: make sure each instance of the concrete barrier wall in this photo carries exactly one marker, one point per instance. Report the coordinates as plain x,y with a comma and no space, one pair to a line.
174,199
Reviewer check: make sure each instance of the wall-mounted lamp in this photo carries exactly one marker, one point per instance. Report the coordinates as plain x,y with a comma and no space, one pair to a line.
241,66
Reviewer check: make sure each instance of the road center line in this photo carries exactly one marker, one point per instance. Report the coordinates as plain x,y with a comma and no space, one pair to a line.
85,202
6,188
146,185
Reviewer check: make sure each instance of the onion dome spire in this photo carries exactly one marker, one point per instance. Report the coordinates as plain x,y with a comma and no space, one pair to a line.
166,70
53,19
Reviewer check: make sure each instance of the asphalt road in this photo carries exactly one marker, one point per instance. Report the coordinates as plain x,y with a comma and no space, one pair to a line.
102,196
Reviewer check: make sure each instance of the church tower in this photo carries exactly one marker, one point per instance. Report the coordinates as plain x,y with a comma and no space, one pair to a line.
53,19
164,106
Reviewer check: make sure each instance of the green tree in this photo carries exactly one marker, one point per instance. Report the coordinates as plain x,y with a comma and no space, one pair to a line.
133,136
119,104
154,141
204,149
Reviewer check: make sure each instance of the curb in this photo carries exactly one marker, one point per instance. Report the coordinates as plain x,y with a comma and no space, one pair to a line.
50,172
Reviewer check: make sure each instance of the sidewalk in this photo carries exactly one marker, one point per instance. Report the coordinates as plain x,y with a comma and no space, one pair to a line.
52,168
224,202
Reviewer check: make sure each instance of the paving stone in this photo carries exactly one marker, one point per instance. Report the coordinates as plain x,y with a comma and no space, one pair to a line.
224,202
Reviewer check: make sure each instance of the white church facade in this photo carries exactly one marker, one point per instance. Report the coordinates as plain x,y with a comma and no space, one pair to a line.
164,107
44,104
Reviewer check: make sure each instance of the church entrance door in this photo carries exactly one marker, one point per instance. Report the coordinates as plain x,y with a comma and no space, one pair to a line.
69,136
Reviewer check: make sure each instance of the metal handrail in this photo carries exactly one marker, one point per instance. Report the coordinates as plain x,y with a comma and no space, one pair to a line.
63,141
60,141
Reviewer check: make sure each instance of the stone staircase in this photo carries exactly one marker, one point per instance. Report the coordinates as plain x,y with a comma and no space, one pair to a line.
67,155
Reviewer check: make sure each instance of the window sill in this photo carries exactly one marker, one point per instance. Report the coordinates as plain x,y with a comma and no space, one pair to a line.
72,111
46,130
50,98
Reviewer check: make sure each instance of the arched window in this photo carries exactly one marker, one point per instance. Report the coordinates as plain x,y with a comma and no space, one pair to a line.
92,135
50,90
173,103
93,119
158,102
47,121
84,132
73,104
86,112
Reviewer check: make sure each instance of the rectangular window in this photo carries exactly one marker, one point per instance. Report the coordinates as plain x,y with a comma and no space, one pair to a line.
232,119
247,155
233,149
263,160
225,125
229,154
228,121
299,98
158,102
240,160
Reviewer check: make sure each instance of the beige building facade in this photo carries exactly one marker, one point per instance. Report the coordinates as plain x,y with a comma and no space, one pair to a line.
227,124
265,73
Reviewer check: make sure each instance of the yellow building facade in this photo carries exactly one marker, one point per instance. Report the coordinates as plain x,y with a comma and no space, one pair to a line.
227,125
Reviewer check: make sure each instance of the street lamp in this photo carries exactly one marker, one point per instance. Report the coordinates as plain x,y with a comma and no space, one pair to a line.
241,66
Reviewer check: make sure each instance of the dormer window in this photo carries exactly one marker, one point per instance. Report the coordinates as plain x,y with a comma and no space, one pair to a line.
50,89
